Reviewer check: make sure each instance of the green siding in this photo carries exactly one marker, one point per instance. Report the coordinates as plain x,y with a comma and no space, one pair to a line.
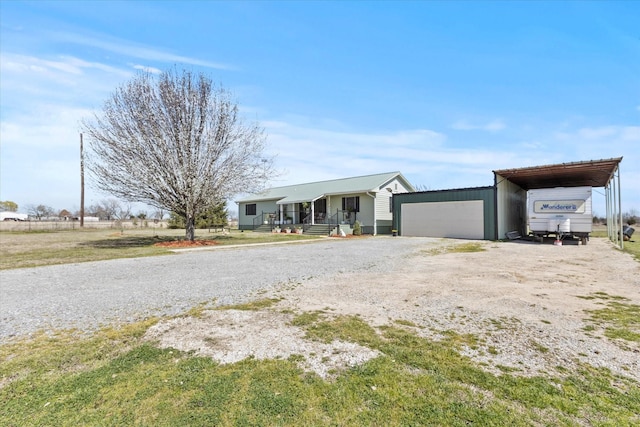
486,194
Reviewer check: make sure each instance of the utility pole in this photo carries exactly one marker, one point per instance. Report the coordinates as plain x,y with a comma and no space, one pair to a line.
81,183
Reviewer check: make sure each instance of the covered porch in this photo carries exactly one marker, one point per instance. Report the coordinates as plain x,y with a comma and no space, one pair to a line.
305,216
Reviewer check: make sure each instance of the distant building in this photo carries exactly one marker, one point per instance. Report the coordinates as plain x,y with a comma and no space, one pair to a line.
13,216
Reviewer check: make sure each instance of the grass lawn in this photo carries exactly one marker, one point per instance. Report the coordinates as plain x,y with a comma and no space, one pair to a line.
113,377
631,246
37,248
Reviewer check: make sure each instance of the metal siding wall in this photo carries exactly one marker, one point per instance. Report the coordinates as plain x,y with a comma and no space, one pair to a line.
486,194
512,207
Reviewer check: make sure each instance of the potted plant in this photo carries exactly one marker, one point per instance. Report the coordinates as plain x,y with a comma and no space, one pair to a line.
287,230
298,230
276,229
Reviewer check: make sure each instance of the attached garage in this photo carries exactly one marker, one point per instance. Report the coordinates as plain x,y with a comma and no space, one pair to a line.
467,213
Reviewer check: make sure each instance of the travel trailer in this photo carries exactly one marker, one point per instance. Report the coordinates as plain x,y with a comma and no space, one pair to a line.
561,211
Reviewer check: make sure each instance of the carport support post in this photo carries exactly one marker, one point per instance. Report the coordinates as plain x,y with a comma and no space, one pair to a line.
620,234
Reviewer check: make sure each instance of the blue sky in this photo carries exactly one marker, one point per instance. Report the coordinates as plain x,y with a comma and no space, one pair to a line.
445,92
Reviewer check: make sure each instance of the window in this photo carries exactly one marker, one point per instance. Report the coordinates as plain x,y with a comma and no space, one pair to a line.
351,204
250,209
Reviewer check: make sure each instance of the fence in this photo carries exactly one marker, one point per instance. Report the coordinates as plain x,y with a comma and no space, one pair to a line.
75,225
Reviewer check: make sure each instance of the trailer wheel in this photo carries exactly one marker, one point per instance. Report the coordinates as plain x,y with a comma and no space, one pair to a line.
583,240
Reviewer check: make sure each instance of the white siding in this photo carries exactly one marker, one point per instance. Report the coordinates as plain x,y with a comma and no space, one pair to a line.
383,213
383,197
459,220
365,216
383,200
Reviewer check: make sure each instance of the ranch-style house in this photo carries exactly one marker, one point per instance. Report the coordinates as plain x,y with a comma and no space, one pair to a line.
325,207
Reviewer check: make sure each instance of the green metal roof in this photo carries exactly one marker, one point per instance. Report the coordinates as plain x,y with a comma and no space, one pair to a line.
314,190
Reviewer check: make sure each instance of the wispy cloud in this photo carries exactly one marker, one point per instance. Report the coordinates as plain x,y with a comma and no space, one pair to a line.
492,126
46,126
418,153
61,65
30,80
133,50
602,134
147,69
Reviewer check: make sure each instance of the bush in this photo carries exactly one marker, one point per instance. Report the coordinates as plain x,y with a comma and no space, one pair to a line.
213,216
357,229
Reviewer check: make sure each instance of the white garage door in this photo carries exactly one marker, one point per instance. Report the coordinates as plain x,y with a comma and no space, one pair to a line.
459,220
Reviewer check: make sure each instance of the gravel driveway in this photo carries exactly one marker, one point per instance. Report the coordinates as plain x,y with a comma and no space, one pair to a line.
528,304
88,295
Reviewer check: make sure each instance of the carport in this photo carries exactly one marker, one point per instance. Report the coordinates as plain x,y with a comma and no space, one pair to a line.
512,185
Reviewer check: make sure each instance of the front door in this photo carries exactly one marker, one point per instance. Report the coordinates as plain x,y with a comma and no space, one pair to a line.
303,211
320,210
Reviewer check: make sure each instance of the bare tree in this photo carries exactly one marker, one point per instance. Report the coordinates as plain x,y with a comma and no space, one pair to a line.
40,211
421,187
175,142
158,214
116,210
630,217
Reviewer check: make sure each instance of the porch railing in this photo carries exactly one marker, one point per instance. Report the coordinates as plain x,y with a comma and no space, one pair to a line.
306,223
264,217
331,220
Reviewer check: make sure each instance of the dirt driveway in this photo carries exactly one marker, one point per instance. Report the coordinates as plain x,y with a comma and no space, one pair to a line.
528,304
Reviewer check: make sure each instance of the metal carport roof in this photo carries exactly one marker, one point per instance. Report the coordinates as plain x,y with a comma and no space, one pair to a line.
592,173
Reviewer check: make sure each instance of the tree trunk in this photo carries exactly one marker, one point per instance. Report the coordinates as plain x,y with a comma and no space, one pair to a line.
190,228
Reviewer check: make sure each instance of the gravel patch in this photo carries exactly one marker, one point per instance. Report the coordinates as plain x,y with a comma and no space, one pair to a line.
88,295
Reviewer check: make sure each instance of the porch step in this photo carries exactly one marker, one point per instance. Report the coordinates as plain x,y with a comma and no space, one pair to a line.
313,230
318,230
264,228
327,230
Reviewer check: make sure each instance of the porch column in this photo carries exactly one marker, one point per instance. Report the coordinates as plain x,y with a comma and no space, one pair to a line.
281,215
313,213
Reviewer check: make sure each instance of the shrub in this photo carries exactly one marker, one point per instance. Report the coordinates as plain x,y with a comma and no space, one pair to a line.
215,215
357,229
